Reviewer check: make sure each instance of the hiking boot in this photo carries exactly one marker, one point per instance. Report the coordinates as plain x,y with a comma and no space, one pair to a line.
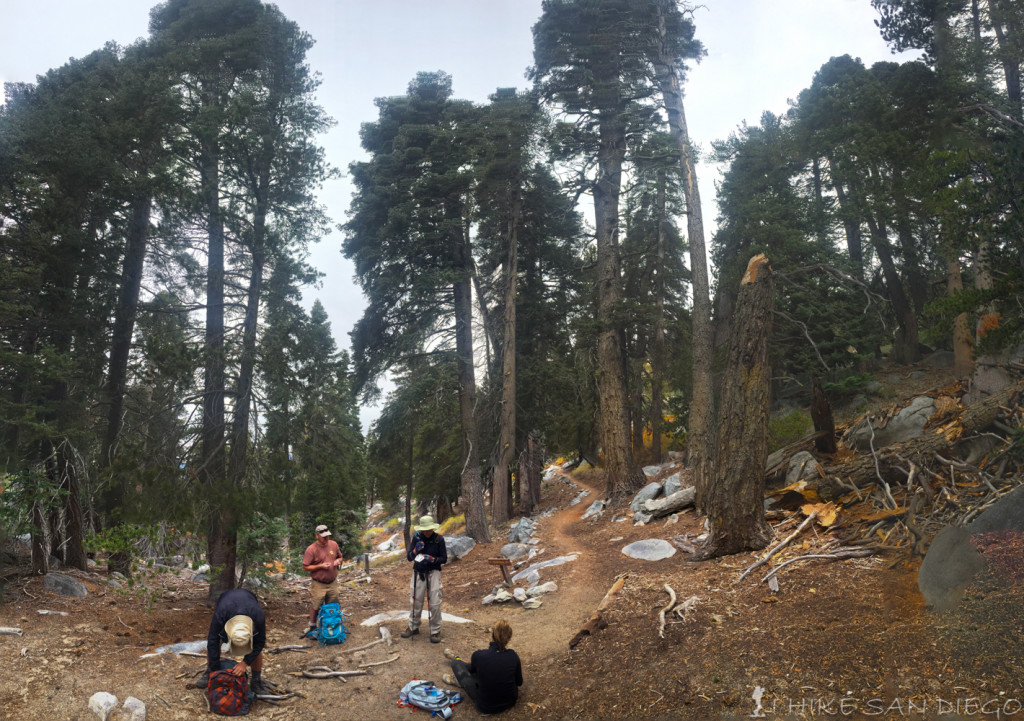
410,632
435,638
203,681
449,679
449,654
258,686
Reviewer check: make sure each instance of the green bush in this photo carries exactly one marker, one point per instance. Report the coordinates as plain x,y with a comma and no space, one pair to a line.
847,387
261,547
783,430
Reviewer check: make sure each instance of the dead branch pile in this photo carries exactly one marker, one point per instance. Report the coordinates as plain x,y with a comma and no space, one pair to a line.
897,498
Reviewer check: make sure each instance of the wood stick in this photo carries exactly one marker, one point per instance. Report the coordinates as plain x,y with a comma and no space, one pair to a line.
162,699
380,663
840,554
11,631
279,649
329,674
596,621
768,556
364,646
661,614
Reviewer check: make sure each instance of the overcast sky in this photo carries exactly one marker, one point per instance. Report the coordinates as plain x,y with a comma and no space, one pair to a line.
760,54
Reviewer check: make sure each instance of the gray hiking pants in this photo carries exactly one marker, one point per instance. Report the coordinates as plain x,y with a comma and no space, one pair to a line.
431,589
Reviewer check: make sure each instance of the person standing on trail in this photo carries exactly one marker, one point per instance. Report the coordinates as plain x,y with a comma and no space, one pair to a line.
239,620
427,553
321,561
493,675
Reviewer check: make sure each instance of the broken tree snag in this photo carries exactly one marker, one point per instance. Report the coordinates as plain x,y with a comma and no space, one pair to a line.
668,505
733,497
596,621
821,415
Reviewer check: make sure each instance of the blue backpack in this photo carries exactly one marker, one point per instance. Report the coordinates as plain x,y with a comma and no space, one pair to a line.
330,625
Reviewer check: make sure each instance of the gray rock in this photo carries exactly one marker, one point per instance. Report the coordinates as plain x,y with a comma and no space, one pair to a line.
907,424
940,359
201,577
578,499
136,708
532,603
893,378
801,466
873,387
550,473
651,471
102,703
519,594
918,375
595,509
948,567
647,493
487,600
641,519
672,484
64,585
533,578
651,549
458,546
1006,514
503,596
987,379
544,564
540,590
521,531
514,550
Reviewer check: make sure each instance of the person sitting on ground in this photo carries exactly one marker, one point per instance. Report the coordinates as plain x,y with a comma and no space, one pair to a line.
321,561
238,620
493,675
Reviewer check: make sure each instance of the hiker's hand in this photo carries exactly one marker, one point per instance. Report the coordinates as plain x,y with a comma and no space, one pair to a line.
418,547
239,669
428,559
337,562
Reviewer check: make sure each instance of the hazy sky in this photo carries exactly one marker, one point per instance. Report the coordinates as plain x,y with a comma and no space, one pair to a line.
760,54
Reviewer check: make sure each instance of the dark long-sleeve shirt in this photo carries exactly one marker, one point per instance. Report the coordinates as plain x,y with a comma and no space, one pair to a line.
499,675
433,546
235,602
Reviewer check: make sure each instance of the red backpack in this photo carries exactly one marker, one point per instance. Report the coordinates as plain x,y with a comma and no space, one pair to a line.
228,694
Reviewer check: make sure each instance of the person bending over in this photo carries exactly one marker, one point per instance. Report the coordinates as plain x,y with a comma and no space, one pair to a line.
493,675
239,620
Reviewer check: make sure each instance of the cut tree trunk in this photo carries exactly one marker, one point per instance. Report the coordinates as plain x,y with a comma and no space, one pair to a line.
821,415
734,503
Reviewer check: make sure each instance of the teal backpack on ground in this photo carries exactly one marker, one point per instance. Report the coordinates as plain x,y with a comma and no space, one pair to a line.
330,625
425,695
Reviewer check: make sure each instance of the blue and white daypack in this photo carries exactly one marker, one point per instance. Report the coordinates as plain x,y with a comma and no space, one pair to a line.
425,695
330,625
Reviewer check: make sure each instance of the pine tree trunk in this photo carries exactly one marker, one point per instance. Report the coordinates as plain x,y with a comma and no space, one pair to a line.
472,487
821,415
622,477
121,342
529,476
699,438
658,344
735,504
212,465
501,496
962,345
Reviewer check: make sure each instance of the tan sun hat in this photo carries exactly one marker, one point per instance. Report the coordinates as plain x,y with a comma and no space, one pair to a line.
426,524
239,632
322,531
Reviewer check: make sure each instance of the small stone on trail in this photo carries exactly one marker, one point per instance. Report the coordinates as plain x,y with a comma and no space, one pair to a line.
102,703
136,708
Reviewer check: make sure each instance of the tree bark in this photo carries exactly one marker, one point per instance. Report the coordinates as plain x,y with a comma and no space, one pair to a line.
658,344
821,415
529,476
622,476
699,445
962,342
121,343
735,504
501,495
471,485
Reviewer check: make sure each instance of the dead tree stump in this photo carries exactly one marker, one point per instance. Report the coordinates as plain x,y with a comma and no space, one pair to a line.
734,498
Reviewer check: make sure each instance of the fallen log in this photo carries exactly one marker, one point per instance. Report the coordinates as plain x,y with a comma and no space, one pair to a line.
10,631
976,417
380,663
596,621
778,547
668,505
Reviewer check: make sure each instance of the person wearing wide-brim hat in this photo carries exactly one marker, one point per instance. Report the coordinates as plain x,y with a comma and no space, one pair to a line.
239,621
427,553
321,561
